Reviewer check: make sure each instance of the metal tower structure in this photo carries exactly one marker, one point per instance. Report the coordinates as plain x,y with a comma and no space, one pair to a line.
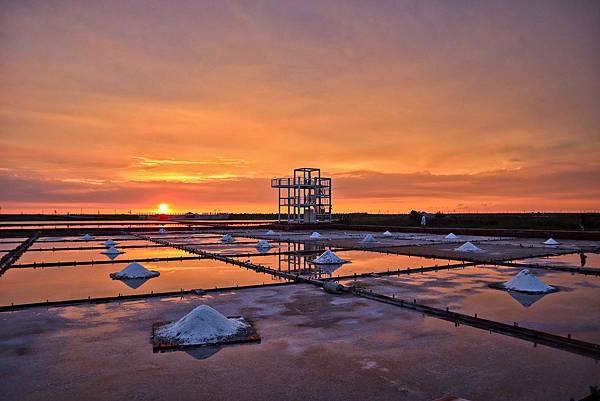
305,197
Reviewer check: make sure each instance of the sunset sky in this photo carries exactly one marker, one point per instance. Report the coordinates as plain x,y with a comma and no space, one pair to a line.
429,105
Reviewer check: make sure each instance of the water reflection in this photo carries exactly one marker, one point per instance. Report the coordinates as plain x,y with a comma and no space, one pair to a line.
328,269
299,262
202,352
296,262
525,299
111,256
21,285
134,282
582,259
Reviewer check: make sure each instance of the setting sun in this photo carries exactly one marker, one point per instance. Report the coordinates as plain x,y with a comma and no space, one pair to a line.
163,208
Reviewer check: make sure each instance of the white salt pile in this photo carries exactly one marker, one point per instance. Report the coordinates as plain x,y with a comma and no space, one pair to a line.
525,281
112,251
315,235
328,257
368,239
387,234
87,237
134,270
467,247
551,241
451,236
263,244
203,325
109,242
227,238
270,232
162,231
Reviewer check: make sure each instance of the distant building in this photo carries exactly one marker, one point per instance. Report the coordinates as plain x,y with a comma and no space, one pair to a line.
304,198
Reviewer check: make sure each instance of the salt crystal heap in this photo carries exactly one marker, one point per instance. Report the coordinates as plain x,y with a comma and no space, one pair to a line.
525,281
109,242
87,237
551,241
162,231
368,239
133,271
227,239
270,232
112,251
315,235
467,247
203,325
263,244
327,258
387,234
451,236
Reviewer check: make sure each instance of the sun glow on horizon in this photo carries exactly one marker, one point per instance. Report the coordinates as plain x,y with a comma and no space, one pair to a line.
164,208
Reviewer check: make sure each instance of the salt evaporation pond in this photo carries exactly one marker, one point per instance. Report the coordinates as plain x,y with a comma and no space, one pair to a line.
237,248
49,245
570,260
8,241
357,342
466,290
361,262
22,285
95,255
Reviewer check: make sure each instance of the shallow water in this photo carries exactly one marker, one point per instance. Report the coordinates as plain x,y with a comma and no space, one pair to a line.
360,262
328,347
95,255
22,285
573,310
572,260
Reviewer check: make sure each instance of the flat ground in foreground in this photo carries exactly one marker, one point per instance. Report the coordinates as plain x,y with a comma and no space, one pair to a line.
314,346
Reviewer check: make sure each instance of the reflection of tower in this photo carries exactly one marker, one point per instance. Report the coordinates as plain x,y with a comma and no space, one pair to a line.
306,197
297,262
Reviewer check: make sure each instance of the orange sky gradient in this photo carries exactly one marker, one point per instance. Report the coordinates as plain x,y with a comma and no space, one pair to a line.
452,106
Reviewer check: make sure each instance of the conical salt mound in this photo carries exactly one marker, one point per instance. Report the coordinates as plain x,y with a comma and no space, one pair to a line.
87,237
263,244
551,241
327,258
201,326
368,239
112,250
315,235
270,232
451,236
387,234
134,270
525,281
467,247
227,238
162,231
109,242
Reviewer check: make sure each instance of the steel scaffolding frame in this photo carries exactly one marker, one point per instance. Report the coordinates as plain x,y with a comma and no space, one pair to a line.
305,197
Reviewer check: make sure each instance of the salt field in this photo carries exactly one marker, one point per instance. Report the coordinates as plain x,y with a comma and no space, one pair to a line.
26,285
466,290
300,200
360,262
356,347
463,323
